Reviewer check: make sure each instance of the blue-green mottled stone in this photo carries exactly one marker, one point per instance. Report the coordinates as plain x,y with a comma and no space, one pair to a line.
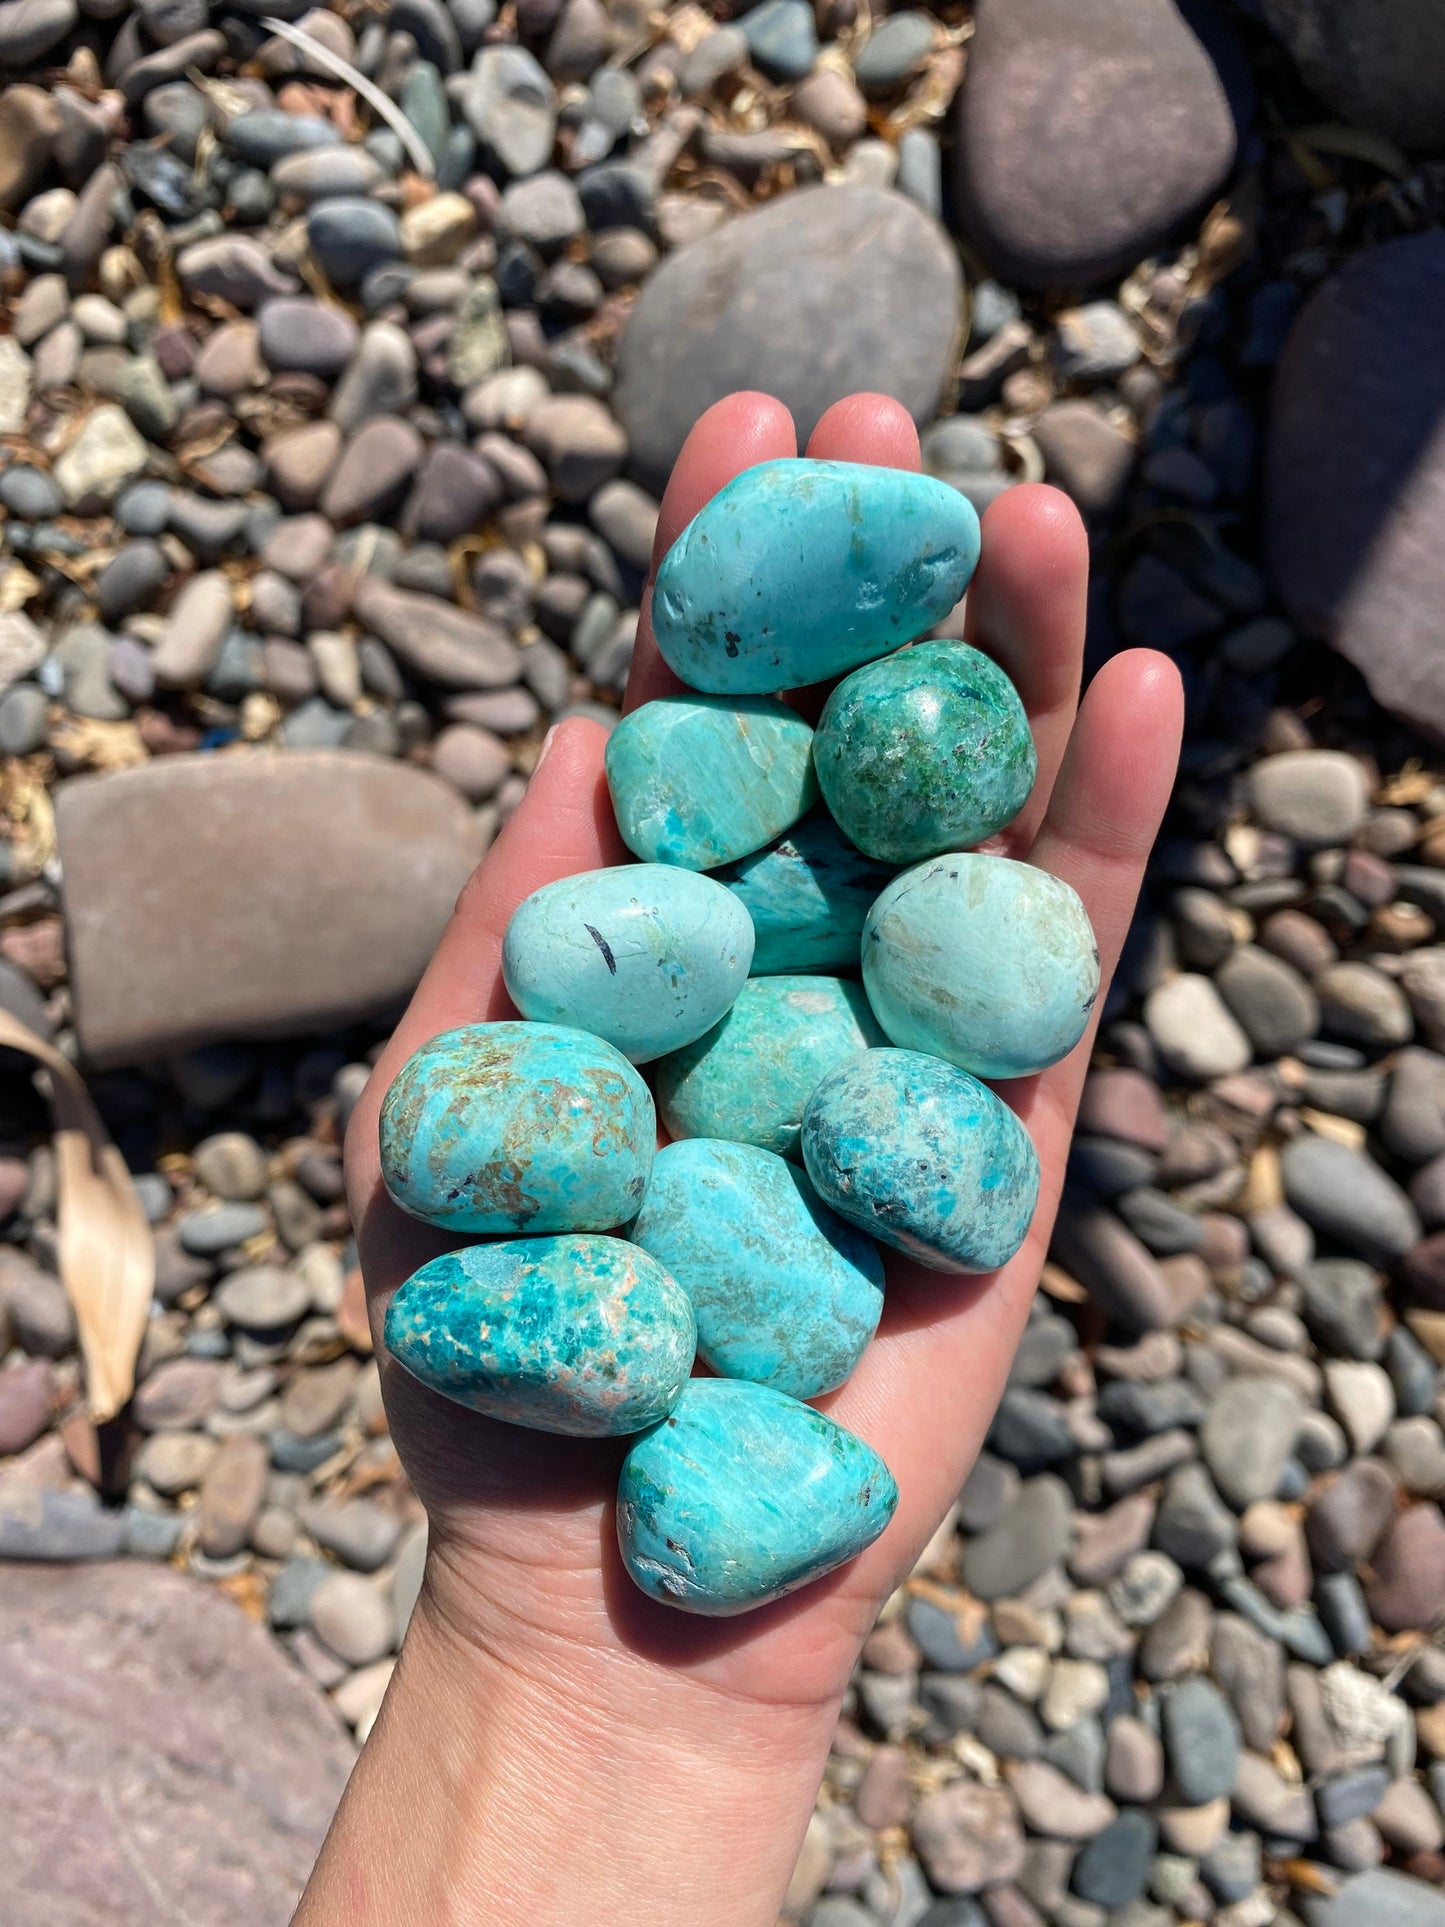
808,895
924,1157
702,780
518,1127
798,571
741,1495
586,1335
645,955
927,750
989,963
786,1293
749,1079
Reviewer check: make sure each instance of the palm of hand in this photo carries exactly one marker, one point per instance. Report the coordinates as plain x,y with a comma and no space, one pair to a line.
523,1563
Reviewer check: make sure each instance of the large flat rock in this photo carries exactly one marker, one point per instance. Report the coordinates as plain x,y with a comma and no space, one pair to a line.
160,1759
1379,63
249,896
809,298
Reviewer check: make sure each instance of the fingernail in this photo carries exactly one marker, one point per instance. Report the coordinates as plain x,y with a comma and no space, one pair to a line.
547,742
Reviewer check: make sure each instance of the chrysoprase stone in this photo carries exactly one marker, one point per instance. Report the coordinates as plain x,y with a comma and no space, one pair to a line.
798,571
927,750
749,1079
518,1127
645,955
701,780
923,1156
807,895
584,1335
989,963
743,1494
786,1292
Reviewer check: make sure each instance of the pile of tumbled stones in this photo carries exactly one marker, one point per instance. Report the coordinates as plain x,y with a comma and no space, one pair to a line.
1173,1655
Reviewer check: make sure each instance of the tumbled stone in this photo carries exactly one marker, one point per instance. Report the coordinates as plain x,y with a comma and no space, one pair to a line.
583,1335
1248,1435
807,895
1407,1584
509,1127
435,639
798,571
706,1511
984,962
646,956
785,1293
700,781
968,1837
1201,1738
924,1157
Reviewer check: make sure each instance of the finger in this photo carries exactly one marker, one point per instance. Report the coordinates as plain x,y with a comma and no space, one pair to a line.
1027,607
866,428
736,433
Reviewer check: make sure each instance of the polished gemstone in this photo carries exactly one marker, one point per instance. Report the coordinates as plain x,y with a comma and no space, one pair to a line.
986,962
749,1079
585,1335
701,780
924,751
798,571
645,955
743,1494
786,1292
807,895
924,1157
518,1127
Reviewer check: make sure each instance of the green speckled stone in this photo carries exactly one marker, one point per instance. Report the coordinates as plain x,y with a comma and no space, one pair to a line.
588,1335
924,1157
702,780
927,750
808,895
786,1293
799,570
645,955
986,962
510,1127
749,1079
742,1495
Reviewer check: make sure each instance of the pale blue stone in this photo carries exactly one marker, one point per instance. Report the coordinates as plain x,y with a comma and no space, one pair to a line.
645,955
808,896
750,1077
700,780
798,571
742,1495
583,1335
986,962
924,1157
786,1293
518,1127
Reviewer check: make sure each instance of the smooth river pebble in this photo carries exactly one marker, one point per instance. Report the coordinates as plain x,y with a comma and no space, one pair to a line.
808,895
518,1127
786,1293
586,1335
988,963
741,1495
924,1157
646,956
799,571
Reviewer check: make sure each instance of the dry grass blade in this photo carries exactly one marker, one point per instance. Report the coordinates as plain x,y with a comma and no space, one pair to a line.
395,119
107,1258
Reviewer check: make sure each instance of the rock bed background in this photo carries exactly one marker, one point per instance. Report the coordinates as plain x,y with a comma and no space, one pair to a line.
303,449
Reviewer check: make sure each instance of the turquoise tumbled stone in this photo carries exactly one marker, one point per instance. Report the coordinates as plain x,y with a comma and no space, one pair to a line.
743,1494
927,750
749,1079
700,780
798,571
582,1335
518,1127
923,1156
808,895
645,955
989,963
786,1293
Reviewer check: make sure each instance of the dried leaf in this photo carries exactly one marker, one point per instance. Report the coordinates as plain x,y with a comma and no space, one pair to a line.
99,745
1354,144
17,586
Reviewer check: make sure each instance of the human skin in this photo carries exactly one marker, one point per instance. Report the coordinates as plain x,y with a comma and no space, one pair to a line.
555,1747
